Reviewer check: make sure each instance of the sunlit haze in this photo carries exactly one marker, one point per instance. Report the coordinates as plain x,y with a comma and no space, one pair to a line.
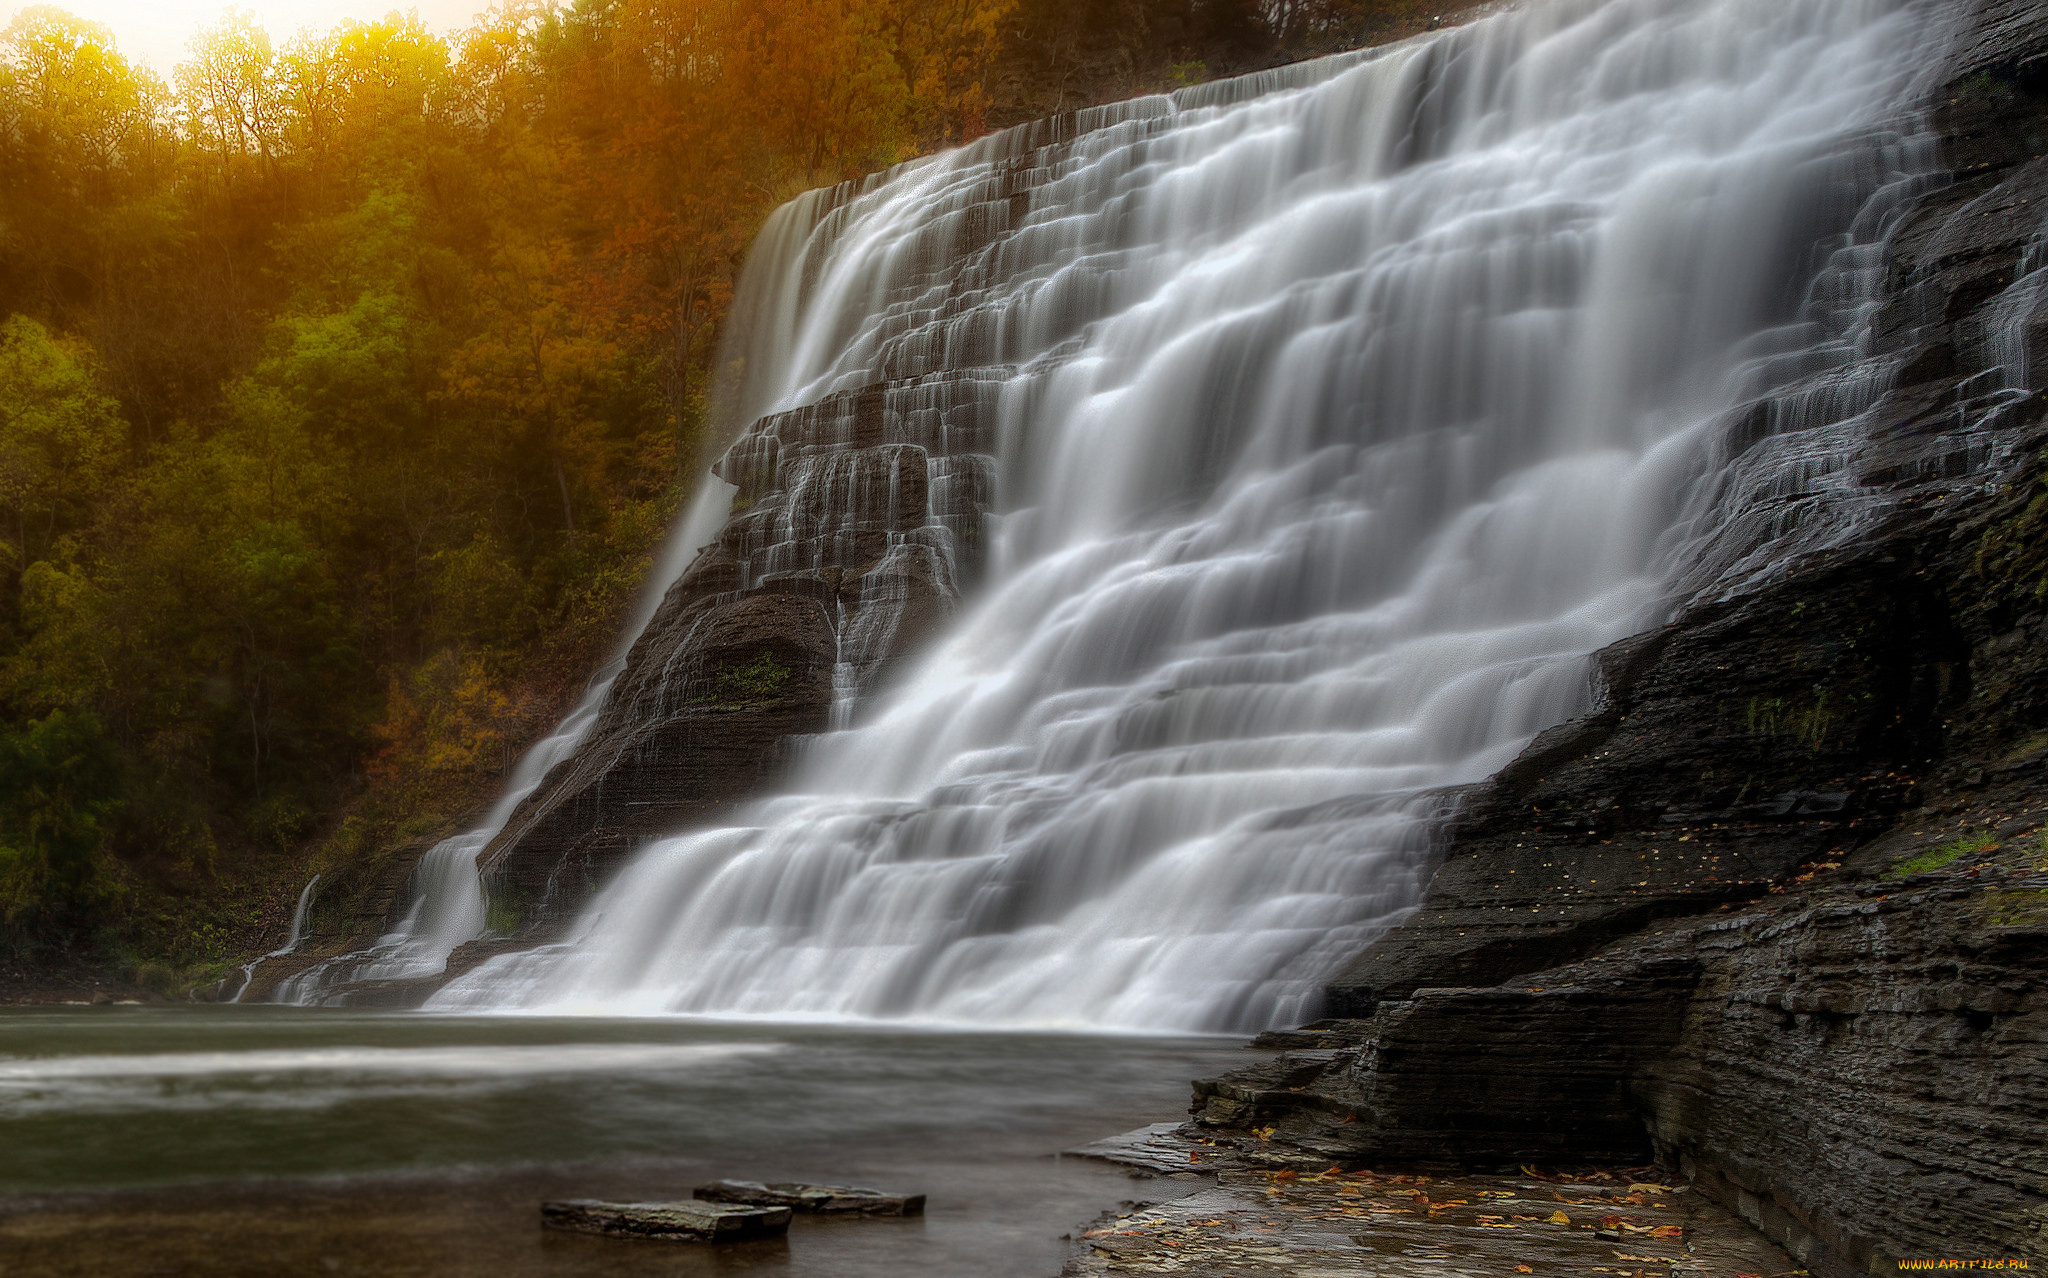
157,31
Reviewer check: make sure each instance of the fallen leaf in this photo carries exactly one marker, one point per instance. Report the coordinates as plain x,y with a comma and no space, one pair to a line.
1559,1218
1668,1231
1643,1187
1524,1269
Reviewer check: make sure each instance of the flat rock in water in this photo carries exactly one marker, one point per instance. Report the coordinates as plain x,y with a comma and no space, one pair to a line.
1160,1147
677,1221
815,1198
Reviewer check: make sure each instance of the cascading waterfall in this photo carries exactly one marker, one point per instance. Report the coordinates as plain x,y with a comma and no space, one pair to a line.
1345,410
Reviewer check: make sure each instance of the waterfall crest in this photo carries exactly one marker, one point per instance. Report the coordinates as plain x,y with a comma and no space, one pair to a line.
1335,416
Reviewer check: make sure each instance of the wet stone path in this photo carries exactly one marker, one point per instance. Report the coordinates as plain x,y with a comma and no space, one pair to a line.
1284,1223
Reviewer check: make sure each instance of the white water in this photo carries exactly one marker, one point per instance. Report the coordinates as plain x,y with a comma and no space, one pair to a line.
292,938
138,1083
1347,418
448,906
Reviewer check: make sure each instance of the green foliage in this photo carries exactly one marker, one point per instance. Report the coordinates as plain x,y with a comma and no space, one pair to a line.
505,910
346,384
59,786
2015,907
1942,857
59,439
758,680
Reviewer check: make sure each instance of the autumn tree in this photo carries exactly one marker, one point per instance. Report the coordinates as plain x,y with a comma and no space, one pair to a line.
347,385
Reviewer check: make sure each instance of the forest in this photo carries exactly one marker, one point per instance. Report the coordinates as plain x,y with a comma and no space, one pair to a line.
348,381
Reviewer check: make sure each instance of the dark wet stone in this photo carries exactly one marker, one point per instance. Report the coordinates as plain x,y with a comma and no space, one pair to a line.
1730,919
676,1221
814,1198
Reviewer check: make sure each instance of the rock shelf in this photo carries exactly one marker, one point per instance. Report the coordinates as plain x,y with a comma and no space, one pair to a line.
1254,1222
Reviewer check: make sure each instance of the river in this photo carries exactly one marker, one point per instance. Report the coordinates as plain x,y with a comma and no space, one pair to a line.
270,1140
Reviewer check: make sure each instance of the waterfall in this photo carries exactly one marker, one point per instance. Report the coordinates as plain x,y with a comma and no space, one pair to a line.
1342,412
291,940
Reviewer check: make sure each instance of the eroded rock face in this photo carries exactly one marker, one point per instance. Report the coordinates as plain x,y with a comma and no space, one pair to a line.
855,524
1775,912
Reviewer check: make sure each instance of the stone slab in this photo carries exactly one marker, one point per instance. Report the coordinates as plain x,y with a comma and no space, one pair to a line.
848,1199
674,1221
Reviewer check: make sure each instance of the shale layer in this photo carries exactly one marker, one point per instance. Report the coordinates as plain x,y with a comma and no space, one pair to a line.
1775,914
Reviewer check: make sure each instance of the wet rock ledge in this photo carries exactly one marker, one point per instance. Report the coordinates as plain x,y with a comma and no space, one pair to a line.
1774,917
1280,1222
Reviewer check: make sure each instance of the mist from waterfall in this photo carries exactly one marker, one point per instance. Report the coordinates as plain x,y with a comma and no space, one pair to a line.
1346,409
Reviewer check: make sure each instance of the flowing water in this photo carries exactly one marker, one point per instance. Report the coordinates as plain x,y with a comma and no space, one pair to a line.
1340,413
265,1140
1344,410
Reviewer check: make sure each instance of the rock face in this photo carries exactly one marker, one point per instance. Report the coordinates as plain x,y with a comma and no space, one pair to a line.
855,522
1775,912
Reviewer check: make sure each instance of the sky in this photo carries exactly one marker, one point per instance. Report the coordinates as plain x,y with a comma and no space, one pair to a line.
156,31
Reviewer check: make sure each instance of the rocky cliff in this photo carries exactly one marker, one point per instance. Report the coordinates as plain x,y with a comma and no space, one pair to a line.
1776,912
855,521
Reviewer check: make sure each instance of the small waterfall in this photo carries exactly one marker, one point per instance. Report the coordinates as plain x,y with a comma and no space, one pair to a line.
447,905
291,940
2015,342
1339,413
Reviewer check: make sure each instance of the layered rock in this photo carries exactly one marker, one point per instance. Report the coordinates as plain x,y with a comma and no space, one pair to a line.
855,522
1774,913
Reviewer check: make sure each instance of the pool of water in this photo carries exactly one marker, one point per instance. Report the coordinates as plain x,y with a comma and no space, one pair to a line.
260,1140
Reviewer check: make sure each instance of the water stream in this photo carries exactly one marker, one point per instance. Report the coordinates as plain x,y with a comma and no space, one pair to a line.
259,1140
1344,411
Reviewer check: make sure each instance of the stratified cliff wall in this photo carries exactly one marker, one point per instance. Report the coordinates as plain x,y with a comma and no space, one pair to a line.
855,521
1777,912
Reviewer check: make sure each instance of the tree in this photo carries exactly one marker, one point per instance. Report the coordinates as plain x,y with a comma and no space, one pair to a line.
59,440
59,786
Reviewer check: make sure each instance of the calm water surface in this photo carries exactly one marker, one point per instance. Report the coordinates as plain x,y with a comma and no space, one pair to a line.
143,1140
